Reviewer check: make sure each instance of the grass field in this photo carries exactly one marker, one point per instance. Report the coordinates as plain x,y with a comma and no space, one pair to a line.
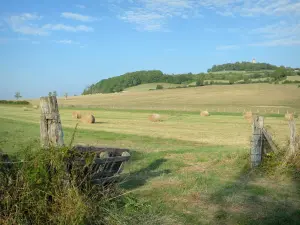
186,169
268,97
293,78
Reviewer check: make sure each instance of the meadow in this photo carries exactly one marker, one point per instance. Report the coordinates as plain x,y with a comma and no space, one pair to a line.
185,169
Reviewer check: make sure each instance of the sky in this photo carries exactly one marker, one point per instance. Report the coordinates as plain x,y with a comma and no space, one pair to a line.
64,45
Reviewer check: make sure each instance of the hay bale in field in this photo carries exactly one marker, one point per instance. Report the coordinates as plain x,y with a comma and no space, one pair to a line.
89,118
25,108
248,116
204,113
289,116
35,106
155,117
76,115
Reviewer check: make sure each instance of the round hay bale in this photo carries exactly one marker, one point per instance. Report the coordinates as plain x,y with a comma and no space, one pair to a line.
248,116
155,117
35,106
25,108
103,155
76,115
289,116
88,119
204,113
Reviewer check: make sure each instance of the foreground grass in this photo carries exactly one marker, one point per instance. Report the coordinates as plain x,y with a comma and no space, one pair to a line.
183,182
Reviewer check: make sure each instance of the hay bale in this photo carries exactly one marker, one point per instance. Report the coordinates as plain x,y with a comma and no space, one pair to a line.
35,106
204,113
248,116
89,118
76,115
25,108
289,116
155,117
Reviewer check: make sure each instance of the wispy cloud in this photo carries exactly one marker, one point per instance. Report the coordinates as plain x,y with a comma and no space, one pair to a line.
27,23
63,27
67,42
79,17
227,47
20,24
80,6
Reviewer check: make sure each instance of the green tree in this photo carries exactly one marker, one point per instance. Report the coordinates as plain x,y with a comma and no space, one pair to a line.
18,95
231,80
54,93
50,94
159,87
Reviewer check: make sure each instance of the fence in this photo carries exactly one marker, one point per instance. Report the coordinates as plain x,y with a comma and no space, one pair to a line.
262,142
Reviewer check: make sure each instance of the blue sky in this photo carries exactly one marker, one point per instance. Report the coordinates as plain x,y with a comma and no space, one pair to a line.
67,45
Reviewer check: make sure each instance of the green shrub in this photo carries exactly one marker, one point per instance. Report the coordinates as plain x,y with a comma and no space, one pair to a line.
14,102
159,87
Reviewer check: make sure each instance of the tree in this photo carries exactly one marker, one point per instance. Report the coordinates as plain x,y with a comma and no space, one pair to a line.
50,94
18,95
231,80
66,95
246,79
54,93
159,87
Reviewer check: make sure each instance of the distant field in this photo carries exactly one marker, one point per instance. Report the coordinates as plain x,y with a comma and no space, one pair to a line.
146,87
293,78
231,97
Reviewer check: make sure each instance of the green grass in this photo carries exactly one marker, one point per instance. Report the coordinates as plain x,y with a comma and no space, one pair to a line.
175,179
293,78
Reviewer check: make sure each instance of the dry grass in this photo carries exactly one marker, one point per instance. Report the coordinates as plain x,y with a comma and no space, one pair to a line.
155,117
204,113
248,116
193,99
89,119
76,115
289,116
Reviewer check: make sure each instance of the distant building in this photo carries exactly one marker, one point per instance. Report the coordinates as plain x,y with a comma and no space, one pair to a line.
253,60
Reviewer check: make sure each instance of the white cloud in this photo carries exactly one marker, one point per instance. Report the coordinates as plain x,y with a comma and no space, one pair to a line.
227,47
63,27
20,24
80,6
79,17
67,42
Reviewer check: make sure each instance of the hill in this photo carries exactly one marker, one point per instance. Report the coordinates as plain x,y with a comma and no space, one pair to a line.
226,72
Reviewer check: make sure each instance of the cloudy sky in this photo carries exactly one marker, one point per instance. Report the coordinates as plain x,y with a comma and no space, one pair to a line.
65,45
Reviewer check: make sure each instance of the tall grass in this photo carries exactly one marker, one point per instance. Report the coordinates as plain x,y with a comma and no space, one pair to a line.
36,189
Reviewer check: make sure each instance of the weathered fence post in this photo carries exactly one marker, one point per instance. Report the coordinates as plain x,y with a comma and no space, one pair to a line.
257,141
50,125
293,143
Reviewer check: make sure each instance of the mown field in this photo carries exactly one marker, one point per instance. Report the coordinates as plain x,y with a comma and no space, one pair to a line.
233,98
186,169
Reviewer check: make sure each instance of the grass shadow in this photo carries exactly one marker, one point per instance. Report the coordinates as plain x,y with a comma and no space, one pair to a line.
139,178
245,201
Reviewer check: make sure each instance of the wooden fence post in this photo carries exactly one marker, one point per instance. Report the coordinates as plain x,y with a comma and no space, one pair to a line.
293,144
257,141
50,125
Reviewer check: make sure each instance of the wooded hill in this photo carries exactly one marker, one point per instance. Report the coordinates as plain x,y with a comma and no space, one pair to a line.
236,73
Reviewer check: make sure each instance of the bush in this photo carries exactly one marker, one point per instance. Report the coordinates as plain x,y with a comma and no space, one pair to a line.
299,86
14,102
34,190
159,87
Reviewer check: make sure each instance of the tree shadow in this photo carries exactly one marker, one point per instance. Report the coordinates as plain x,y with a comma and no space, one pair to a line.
139,178
245,202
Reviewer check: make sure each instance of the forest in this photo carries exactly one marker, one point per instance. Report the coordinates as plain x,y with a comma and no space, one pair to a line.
242,66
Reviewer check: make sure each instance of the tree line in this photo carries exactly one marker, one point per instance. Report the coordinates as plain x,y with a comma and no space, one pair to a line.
120,83
242,66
